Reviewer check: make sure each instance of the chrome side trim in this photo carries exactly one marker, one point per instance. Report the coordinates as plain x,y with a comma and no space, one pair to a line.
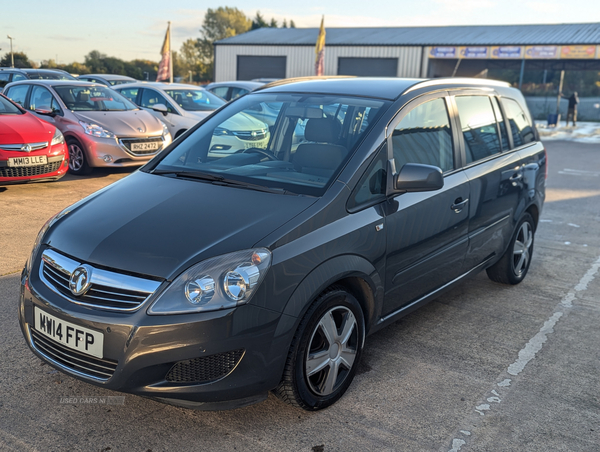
485,228
66,266
439,289
19,147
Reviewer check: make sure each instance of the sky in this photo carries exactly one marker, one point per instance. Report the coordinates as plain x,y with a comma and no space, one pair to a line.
67,30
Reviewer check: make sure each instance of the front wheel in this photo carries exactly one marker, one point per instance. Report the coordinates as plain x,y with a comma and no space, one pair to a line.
325,352
514,264
78,164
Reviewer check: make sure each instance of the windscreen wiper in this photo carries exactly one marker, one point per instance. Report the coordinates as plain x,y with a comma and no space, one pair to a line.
220,180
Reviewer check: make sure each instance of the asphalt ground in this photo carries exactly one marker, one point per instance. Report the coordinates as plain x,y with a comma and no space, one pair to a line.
485,367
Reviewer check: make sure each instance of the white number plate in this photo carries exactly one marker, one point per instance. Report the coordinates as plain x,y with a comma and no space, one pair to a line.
145,146
31,160
70,335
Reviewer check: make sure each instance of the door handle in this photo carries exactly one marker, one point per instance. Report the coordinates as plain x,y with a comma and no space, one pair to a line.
516,176
459,204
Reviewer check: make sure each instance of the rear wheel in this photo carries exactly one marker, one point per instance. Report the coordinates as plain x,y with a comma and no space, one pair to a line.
514,264
78,164
325,352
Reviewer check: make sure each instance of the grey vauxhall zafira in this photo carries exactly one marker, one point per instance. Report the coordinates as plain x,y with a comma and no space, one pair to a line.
207,279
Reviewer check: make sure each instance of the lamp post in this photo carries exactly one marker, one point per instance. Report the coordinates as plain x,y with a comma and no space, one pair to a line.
12,57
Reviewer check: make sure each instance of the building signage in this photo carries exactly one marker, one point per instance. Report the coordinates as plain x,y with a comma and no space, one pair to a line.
579,52
474,52
443,52
542,52
514,52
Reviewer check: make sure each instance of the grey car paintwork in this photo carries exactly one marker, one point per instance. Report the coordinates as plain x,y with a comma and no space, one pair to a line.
315,243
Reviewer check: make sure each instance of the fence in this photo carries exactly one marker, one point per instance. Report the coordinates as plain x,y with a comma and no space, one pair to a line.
587,110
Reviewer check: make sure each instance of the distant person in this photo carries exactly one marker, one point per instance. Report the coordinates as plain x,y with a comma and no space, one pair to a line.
572,111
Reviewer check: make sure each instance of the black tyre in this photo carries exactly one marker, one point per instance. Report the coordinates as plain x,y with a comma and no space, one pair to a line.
325,352
78,163
514,264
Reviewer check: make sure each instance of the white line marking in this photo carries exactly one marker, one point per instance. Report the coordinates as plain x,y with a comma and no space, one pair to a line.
574,225
545,221
581,171
567,243
532,347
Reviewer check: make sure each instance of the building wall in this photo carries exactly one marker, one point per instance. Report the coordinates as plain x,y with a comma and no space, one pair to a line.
301,59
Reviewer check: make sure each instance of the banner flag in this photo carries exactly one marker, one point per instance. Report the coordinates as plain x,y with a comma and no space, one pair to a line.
320,50
165,71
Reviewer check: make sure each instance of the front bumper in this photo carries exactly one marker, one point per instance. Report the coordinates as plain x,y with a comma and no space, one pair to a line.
99,150
146,348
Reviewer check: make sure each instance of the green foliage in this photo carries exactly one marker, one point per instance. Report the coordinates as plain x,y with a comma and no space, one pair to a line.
273,23
259,21
292,24
21,60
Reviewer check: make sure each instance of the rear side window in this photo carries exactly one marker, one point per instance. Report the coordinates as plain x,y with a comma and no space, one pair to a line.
424,136
520,127
4,78
237,92
220,91
130,93
17,94
17,77
479,127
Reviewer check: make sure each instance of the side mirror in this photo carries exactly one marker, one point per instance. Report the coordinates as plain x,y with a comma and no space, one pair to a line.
414,177
41,111
162,108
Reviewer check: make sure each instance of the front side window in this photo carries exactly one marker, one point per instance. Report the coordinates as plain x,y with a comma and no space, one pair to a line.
220,91
150,98
18,94
479,127
237,92
520,127
41,99
424,136
302,152
17,77
93,98
500,120
130,93
195,99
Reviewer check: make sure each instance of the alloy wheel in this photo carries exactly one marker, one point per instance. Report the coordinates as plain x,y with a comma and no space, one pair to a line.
522,248
332,351
76,157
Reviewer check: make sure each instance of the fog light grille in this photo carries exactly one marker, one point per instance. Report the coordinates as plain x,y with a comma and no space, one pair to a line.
205,369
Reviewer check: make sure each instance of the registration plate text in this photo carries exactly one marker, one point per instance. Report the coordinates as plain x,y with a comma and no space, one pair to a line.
31,160
145,146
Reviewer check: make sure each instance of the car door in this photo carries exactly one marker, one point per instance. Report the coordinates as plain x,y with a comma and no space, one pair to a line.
41,99
495,174
150,97
426,232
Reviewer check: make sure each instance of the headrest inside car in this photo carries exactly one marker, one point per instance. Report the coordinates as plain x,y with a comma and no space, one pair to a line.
324,130
82,96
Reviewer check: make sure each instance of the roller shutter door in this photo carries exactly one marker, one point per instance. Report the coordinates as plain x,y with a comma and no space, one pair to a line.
368,67
251,67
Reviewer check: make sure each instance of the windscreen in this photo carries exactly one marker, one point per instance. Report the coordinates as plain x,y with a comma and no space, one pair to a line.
294,142
8,108
93,98
195,99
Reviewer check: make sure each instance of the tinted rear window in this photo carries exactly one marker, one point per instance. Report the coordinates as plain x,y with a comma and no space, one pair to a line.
521,129
479,127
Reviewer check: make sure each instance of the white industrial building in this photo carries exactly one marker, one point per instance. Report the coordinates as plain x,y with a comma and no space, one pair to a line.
408,51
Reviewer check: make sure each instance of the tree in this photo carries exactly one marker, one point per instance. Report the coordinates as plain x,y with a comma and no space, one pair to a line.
284,25
21,60
292,24
191,60
273,23
95,62
220,23
259,21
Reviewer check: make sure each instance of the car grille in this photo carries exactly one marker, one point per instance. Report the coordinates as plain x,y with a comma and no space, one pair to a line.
108,290
205,369
126,143
254,135
27,171
101,369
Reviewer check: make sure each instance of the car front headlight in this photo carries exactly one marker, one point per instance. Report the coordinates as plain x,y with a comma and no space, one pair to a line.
95,130
58,138
220,131
165,129
221,282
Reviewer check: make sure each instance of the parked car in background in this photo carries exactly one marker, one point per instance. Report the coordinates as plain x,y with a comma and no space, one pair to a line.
101,127
179,106
8,75
208,282
30,149
232,90
109,80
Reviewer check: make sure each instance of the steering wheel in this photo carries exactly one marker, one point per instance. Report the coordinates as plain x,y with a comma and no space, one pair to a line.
264,152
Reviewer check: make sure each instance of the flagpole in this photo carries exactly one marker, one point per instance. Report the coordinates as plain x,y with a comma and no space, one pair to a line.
170,56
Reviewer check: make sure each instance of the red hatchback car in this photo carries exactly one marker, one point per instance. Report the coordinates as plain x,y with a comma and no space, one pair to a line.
30,149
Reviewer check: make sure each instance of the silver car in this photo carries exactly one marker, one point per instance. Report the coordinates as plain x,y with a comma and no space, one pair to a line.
101,127
178,105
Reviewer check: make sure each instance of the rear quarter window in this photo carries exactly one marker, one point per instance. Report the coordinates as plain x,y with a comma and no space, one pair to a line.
521,129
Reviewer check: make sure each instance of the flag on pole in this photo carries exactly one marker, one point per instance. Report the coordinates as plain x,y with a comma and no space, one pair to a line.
320,50
165,66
